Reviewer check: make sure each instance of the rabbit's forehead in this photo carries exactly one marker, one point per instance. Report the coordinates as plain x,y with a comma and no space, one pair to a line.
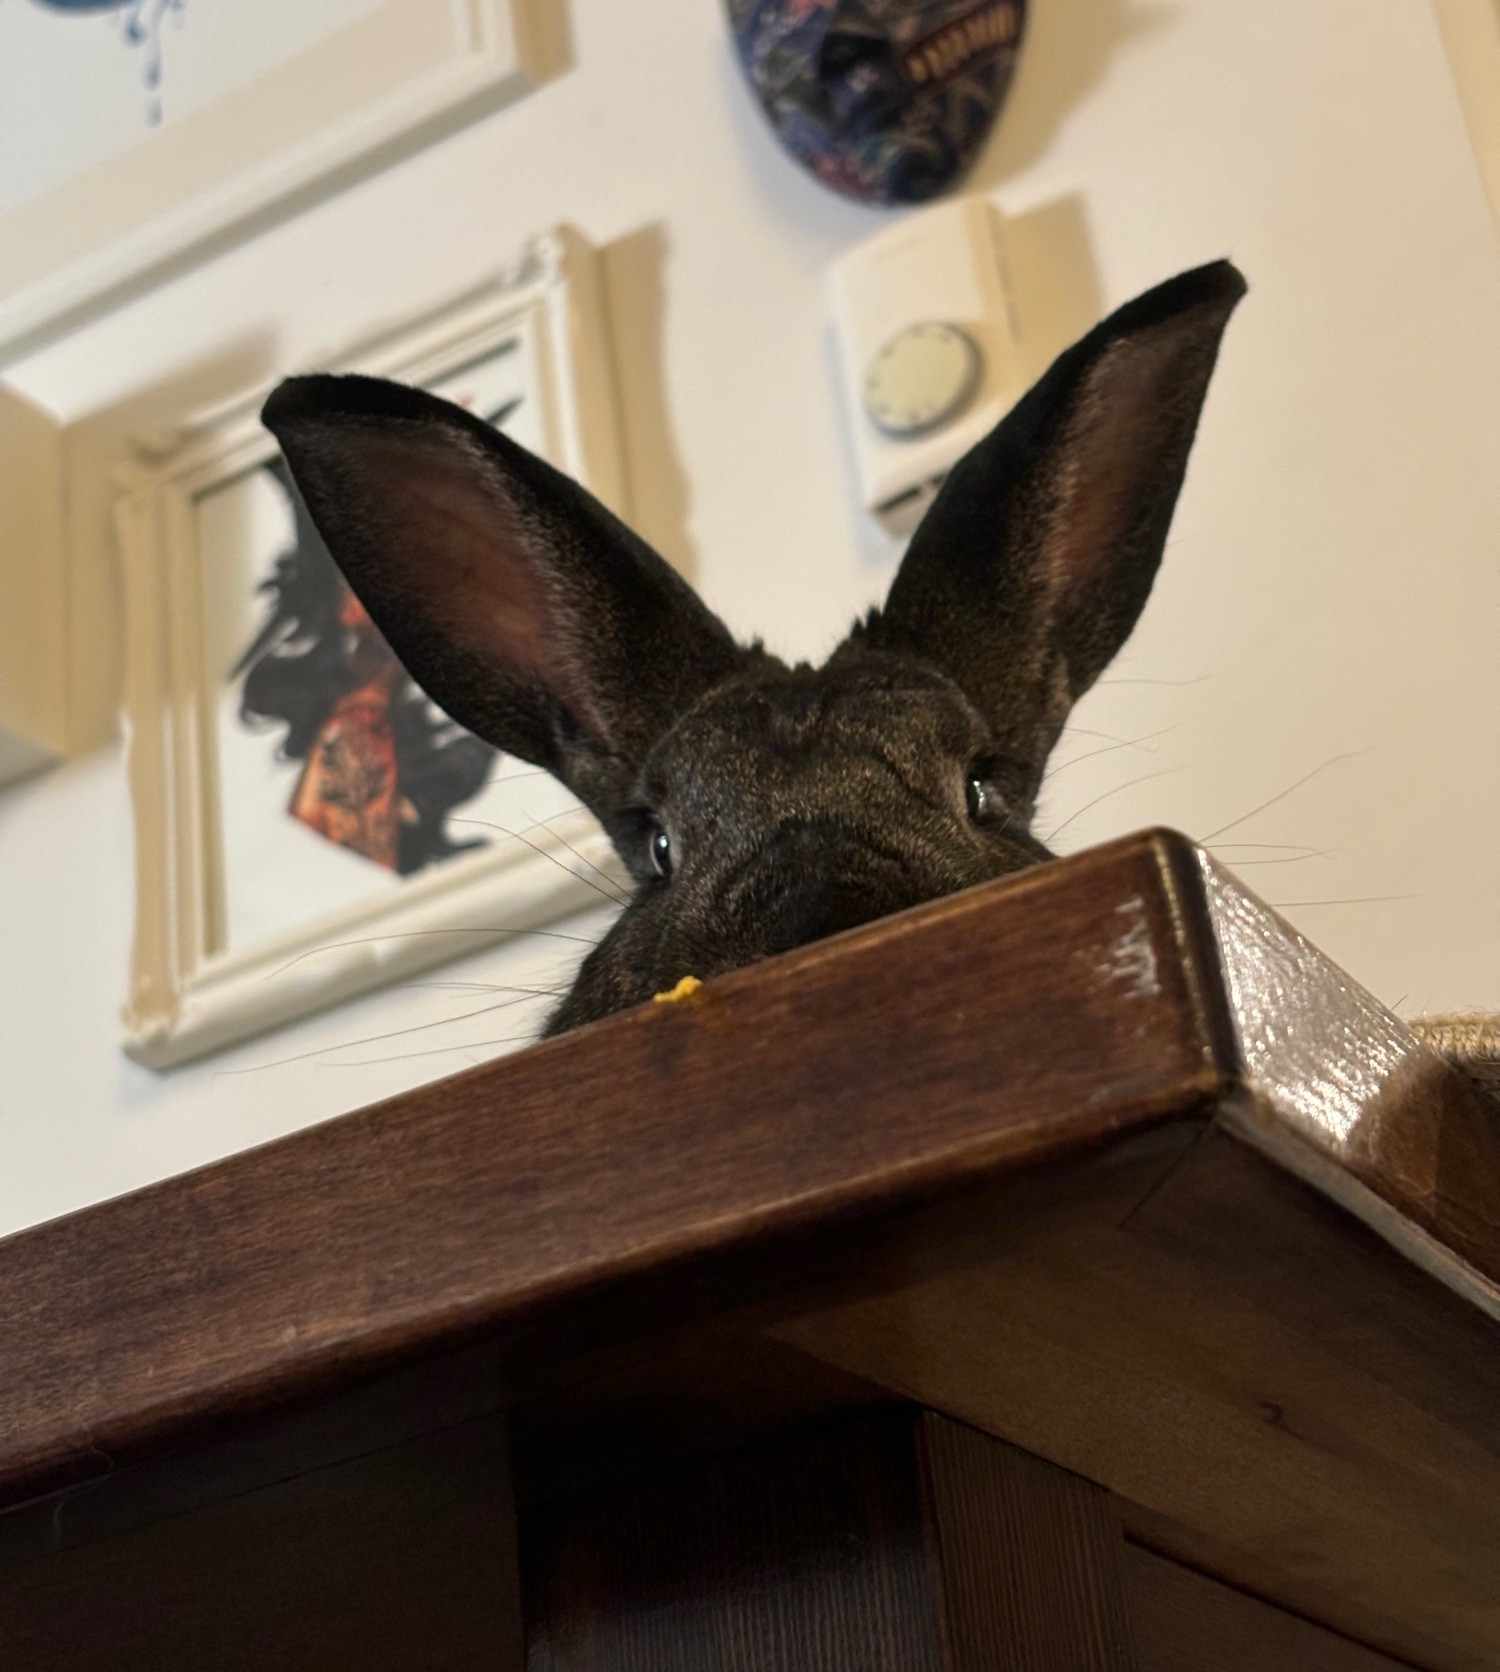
803,727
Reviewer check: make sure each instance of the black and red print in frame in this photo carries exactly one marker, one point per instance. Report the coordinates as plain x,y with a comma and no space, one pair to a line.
382,767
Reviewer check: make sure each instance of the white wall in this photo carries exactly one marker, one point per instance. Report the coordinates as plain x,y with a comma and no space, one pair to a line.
1327,610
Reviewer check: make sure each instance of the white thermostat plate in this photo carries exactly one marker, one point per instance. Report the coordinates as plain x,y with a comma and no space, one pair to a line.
927,352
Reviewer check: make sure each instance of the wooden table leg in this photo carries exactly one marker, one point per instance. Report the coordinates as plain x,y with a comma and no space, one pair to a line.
898,1541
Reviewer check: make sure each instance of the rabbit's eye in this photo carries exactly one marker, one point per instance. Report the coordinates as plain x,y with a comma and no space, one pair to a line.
661,853
986,805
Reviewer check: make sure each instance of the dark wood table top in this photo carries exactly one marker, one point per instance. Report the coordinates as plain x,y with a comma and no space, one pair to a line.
1103,1158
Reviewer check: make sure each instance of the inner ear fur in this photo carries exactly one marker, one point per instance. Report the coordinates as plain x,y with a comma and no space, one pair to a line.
517,601
1037,556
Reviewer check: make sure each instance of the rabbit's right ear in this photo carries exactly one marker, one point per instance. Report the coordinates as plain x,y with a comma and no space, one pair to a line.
514,598
1029,570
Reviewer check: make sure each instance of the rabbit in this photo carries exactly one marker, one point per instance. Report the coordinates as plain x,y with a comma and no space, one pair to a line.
759,806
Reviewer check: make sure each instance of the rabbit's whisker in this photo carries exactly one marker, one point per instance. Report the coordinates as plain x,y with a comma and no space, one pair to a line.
524,995
1279,847
451,986
436,1051
1084,731
503,829
610,894
584,859
1307,777
1356,900
486,931
1109,749
1197,679
1119,789
1286,859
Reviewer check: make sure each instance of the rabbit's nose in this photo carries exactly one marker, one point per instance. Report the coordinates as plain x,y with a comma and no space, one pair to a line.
817,879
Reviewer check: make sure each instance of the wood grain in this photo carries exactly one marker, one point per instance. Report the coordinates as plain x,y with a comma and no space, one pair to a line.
401,1560
1184,1622
807,1555
895,1539
1030,1559
1237,1356
239,1457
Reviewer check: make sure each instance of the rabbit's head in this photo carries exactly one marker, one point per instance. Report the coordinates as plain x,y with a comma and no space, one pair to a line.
757,805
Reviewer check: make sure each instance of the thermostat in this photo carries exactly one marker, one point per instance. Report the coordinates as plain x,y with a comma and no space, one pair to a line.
923,377
927,351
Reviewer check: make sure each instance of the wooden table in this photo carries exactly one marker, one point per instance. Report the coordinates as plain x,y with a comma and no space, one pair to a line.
1076,1273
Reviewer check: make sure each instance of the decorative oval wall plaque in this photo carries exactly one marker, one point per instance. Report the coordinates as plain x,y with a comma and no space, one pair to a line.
888,101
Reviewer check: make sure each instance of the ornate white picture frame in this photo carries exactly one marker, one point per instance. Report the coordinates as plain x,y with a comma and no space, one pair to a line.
394,77
202,975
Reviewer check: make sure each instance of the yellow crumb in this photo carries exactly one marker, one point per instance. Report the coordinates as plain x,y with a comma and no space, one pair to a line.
683,990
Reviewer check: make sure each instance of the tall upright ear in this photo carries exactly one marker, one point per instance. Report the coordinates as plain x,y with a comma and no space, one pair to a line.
512,596
1034,561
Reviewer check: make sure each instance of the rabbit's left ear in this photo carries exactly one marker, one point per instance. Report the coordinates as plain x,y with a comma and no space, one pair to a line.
513,597
1030,569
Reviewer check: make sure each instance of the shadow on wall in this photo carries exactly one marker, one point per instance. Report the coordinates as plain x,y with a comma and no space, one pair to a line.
545,31
1053,279
1064,58
94,447
634,270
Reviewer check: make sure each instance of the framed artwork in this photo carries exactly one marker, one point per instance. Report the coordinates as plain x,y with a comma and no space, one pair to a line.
174,125
34,662
308,824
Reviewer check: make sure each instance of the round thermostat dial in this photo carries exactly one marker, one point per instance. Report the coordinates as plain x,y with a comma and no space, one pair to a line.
921,378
